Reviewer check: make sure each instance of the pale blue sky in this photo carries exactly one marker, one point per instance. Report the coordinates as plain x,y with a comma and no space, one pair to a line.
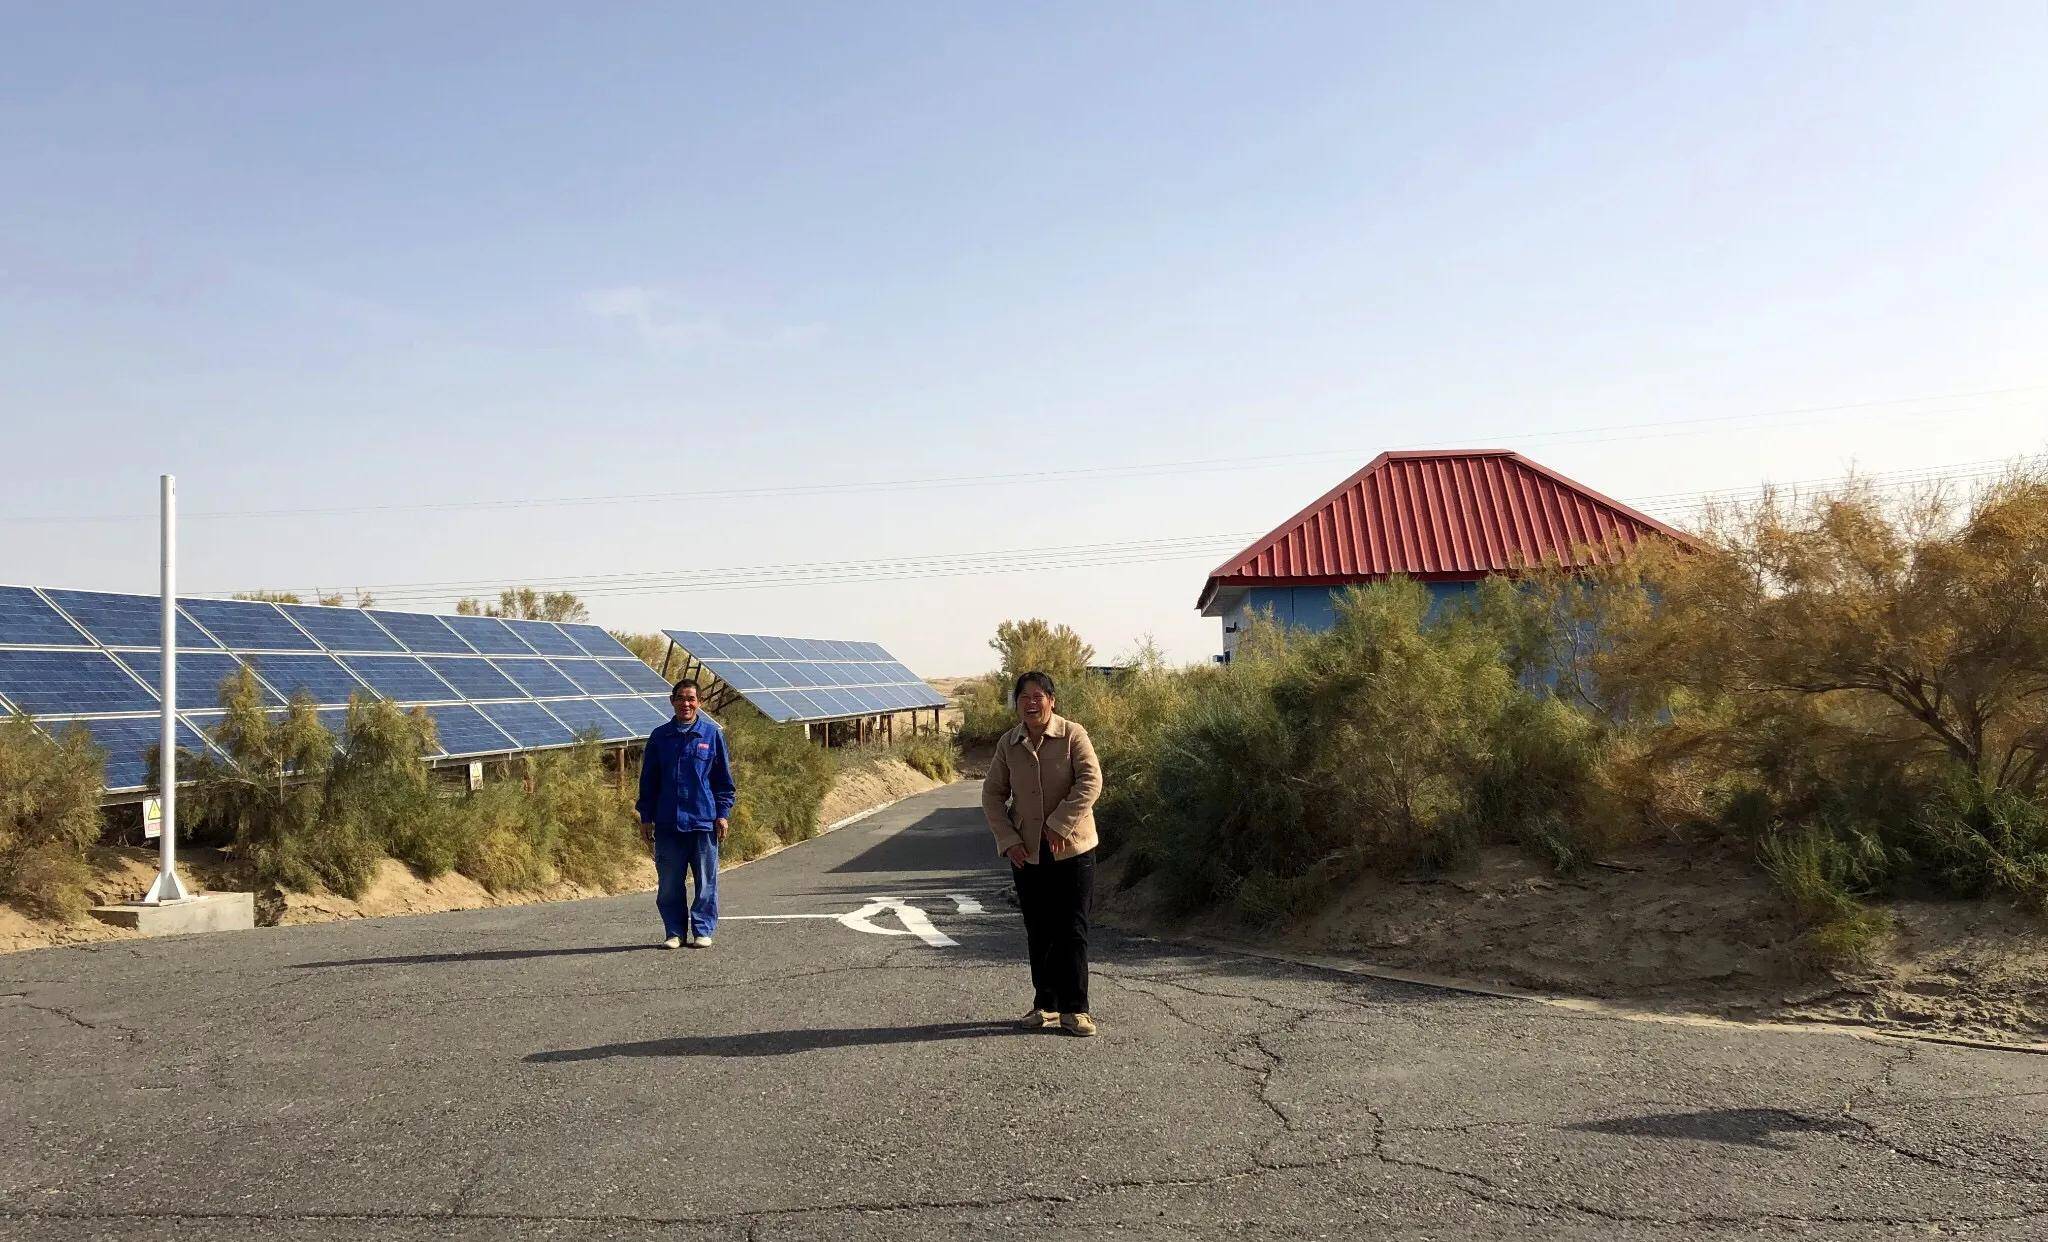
315,256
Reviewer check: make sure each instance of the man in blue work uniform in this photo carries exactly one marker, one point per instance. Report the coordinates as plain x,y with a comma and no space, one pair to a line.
686,797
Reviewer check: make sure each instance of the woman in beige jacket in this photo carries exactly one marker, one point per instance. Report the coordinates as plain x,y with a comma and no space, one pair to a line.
1039,797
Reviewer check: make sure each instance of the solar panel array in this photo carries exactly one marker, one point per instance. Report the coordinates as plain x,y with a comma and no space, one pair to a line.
809,678
492,686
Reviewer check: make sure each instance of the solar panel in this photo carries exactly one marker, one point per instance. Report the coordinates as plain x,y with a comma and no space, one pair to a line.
125,620
638,714
401,679
93,654
808,678
660,704
835,703
545,637
537,677
341,629
69,683
27,620
804,707
772,706
488,635
591,677
594,640
128,741
638,676
703,646
474,677
421,631
464,732
247,625
320,676
739,674
200,674
528,723
585,715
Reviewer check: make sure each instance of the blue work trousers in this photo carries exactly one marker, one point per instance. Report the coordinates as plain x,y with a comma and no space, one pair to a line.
691,856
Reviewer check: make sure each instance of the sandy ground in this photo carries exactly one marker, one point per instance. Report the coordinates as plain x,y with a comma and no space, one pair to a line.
1667,928
871,786
122,874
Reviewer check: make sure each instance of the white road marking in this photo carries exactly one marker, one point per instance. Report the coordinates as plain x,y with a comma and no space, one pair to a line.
915,922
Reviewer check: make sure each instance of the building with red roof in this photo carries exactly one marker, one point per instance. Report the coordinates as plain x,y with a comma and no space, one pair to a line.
1448,518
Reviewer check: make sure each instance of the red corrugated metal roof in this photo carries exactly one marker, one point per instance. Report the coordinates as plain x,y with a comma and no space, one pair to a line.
1440,515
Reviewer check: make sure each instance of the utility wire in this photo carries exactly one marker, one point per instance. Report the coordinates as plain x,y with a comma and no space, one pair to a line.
1084,556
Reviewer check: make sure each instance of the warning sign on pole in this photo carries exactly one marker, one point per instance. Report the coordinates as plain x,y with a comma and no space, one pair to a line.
152,818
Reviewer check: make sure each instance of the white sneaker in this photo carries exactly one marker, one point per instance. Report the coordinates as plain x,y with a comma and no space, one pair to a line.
673,942
701,942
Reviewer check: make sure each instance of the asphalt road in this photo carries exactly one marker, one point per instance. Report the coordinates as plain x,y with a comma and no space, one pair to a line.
542,1071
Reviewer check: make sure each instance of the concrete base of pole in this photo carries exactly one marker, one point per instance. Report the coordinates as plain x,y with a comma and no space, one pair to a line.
206,912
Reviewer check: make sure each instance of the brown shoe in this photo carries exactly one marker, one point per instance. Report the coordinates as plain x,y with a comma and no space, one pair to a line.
1077,1024
1039,1019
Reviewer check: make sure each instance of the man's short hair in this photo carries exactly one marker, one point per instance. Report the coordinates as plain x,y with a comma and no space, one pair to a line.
682,686
1033,678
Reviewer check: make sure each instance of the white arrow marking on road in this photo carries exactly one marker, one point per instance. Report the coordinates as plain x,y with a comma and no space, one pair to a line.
915,922
965,905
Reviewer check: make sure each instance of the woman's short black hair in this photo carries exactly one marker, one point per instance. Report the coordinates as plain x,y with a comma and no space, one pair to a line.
1033,678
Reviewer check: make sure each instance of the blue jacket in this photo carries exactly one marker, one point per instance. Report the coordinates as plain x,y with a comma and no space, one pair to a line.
686,776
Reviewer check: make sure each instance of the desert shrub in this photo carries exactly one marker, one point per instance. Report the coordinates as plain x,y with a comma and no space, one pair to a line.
1039,645
1401,715
1022,647
984,710
378,792
1827,873
506,843
302,812
783,778
562,817
49,817
595,838
1917,631
1228,799
1980,842
1536,780
933,754
266,790
1126,717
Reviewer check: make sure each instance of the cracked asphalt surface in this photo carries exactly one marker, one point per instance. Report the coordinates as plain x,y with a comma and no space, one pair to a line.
541,1071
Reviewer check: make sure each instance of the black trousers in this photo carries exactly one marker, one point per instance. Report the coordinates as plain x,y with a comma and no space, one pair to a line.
1056,898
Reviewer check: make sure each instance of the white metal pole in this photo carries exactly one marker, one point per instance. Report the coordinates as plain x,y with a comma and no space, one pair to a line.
167,887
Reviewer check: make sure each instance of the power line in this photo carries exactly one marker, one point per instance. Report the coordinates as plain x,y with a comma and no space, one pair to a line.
783,567
823,574
1955,472
1071,556
1649,430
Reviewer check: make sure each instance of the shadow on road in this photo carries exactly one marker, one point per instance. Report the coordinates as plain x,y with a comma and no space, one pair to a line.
948,840
1741,1127
479,955
781,1043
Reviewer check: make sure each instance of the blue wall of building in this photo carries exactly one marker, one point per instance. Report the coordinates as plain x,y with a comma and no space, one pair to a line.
1314,608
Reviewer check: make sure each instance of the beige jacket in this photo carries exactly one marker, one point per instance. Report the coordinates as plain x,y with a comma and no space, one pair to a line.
1053,785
